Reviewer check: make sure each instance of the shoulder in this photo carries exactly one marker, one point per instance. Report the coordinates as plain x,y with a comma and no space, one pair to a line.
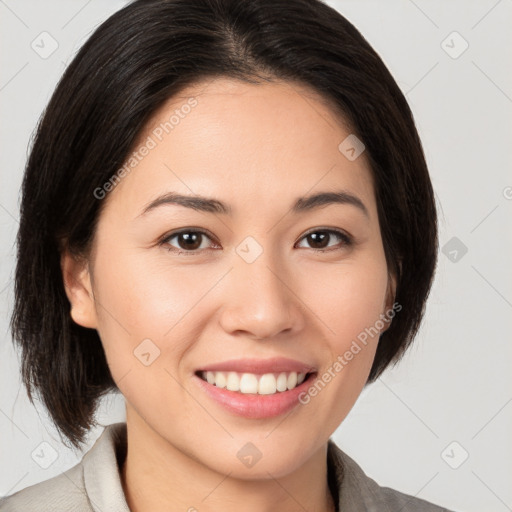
63,492
357,491
91,485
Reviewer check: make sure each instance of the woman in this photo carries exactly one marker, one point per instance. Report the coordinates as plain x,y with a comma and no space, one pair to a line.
228,218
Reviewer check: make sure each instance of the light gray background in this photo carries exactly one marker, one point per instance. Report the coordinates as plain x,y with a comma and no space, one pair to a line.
454,385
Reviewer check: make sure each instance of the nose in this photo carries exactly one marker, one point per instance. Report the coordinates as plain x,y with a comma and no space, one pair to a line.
259,300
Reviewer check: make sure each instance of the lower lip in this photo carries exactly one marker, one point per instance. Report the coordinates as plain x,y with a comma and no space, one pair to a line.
252,405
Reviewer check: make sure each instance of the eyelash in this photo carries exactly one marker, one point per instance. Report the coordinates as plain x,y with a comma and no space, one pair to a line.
347,240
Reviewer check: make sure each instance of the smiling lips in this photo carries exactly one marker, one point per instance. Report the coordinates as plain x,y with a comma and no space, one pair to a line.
256,389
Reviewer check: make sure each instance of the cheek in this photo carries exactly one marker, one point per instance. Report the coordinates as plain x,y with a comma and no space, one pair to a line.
348,299
145,324
146,298
136,302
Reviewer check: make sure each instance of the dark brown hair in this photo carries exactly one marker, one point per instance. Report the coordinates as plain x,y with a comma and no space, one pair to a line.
135,61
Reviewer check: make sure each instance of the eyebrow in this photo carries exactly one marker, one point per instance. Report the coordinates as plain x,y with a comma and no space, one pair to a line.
210,205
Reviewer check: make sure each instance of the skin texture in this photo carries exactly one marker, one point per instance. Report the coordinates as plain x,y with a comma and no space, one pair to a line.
257,148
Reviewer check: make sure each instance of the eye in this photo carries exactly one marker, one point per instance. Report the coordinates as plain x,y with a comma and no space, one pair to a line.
189,241
320,239
193,241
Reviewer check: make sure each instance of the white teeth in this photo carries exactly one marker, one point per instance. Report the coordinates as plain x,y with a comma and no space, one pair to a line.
281,382
233,382
292,380
219,379
247,383
267,385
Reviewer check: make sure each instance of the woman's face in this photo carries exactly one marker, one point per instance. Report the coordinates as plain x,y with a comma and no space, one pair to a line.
270,283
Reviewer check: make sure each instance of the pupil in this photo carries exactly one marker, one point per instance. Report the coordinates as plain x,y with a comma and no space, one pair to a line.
317,239
192,240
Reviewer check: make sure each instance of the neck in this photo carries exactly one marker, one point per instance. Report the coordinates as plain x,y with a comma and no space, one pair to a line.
157,477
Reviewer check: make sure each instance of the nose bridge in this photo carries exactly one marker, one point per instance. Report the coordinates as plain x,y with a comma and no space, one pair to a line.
261,302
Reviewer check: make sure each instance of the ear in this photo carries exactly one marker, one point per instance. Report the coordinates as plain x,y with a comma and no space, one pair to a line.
77,283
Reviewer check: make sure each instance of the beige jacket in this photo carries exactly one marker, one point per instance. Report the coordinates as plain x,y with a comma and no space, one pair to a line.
94,484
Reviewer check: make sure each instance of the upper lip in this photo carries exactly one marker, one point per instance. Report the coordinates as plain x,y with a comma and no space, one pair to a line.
274,365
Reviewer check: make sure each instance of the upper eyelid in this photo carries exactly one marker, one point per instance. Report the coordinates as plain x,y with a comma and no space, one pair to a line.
337,231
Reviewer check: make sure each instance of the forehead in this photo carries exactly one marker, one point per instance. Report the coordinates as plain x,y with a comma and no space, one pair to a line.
252,144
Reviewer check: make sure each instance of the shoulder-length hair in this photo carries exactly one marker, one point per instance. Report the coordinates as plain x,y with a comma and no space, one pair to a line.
134,62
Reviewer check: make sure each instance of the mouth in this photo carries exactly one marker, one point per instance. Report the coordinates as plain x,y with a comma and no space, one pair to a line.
254,383
256,388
